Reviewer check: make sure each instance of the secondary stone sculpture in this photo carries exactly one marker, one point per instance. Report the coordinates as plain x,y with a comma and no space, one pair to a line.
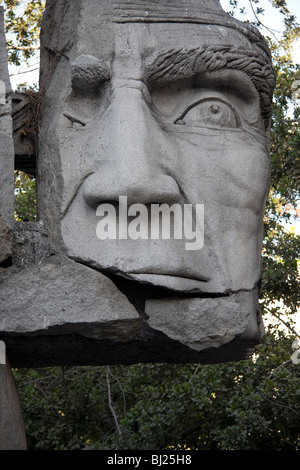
150,108
6,155
12,432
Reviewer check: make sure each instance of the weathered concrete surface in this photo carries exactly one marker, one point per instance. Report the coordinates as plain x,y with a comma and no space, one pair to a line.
6,153
31,243
126,139
60,296
6,240
206,323
12,433
130,112
55,311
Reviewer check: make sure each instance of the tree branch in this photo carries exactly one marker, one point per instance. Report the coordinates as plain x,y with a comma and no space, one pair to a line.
24,48
254,13
121,388
277,315
25,71
110,402
279,367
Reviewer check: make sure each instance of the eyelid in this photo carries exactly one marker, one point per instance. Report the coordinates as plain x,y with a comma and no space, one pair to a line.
203,100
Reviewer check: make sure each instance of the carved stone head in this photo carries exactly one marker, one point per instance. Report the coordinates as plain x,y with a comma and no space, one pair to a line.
153,171
156,103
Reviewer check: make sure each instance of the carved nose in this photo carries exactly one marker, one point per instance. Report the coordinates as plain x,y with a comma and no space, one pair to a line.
133,152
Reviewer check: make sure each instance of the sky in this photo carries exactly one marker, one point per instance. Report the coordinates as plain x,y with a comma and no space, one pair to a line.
272,19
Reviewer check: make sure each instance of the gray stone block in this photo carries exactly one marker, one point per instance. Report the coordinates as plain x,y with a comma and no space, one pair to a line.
203,323
31,243
60,296
6,241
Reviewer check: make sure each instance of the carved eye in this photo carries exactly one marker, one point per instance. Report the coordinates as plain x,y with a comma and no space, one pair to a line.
209,112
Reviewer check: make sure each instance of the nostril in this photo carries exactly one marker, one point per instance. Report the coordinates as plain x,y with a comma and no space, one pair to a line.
95,193
90,193
109,184
91,199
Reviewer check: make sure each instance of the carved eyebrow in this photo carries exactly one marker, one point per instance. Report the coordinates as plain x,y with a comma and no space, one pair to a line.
88,73
170,65
179,64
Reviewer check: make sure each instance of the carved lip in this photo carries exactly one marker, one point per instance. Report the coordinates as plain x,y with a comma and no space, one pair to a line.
169,281
171,275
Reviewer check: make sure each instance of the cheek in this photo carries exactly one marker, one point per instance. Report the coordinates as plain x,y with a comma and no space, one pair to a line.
75,158
230,170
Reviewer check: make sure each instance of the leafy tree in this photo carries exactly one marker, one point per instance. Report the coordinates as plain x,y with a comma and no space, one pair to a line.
246,405
22,24
25,197
243,405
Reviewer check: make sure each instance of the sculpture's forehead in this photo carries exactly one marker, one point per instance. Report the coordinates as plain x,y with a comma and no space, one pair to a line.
145,39
134,41
154,24
154,10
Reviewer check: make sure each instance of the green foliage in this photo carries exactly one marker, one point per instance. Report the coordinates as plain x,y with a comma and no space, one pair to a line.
64,408
25,197
285,135
281,248
22,26
248,405
236,406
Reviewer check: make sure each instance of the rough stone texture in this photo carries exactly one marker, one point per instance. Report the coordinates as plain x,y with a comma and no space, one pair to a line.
31,244
12,433
6,153
161,102
132,154
6,241
206,323
60,296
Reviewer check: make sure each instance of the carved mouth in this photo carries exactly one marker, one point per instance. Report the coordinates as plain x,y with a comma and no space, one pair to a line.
171,281
169,275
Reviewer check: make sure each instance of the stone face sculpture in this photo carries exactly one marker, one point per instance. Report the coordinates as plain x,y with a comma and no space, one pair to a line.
147,104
